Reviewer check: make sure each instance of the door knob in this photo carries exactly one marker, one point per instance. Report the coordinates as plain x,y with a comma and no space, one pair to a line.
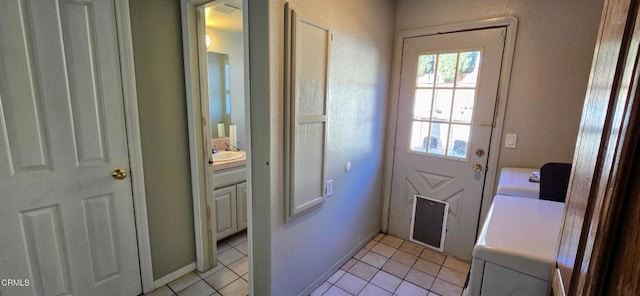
119,174
477,167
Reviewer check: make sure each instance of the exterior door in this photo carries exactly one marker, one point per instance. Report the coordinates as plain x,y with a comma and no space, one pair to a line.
67,224
448,89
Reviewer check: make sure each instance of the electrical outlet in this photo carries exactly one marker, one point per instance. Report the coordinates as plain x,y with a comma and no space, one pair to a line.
329,190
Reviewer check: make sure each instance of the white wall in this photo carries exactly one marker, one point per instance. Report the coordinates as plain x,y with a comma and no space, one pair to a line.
232,43
552,61
307,247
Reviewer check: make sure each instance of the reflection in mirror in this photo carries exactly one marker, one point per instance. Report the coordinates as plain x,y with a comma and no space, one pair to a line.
219,94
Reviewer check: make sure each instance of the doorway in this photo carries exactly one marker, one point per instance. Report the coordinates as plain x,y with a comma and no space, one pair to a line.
217,83
447,127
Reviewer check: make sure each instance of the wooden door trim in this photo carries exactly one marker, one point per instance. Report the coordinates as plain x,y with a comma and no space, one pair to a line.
134,141
605,152
511,24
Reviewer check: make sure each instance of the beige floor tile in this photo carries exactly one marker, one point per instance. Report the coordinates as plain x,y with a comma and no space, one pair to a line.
221,278
210,271
320,290
229,256
374,259
409,289
222,246
238,287
184,281
411,248
457,265
360,253
349,264
391,241
243,248
336,276
455,277
335,291
246,277
351,283
420,278
386,281
363,270
373,290
427,267
240,267
378,237
445,288
396,268
433,256
384,250
162,291
370,245
200,288
404,258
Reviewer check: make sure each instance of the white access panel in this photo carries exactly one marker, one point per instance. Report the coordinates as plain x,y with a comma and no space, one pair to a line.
515,182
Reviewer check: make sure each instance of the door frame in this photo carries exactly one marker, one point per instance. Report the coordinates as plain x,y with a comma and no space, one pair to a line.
134,142
491,174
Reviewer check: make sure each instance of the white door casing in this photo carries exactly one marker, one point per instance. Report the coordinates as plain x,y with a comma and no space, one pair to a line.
434,166
67,225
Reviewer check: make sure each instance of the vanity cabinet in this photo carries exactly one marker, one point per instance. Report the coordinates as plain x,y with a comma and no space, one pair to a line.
231,209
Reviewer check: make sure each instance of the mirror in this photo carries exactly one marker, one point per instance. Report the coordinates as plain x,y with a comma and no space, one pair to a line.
225,69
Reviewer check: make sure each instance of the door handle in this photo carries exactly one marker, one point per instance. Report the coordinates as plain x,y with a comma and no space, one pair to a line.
119,174
477,167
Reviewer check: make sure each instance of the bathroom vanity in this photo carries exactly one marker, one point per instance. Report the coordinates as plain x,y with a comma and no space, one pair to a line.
230,196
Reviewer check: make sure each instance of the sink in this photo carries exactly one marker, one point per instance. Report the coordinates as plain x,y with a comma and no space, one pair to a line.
226,155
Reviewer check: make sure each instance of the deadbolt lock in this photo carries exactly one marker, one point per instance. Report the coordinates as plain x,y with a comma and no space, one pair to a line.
480,152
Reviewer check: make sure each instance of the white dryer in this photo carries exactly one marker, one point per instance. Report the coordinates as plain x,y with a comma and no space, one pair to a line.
515,252
515,182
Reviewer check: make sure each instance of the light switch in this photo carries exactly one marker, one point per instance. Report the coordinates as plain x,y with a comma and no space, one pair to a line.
510,141
329,187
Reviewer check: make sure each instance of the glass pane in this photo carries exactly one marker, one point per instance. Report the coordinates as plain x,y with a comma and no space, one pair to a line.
422,104
468,69
426,70
438,138
442,104
446,71
419,132
463,105
458,141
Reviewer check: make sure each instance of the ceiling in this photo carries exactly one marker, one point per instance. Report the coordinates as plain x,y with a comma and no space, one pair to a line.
229,20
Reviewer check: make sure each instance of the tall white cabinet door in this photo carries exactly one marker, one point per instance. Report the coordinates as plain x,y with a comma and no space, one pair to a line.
67,225
226,223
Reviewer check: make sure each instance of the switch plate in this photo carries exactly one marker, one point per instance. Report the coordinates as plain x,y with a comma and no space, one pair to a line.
329,190
510,141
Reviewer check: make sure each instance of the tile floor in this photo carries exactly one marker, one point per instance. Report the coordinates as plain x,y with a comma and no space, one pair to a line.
388,265
385,266
229,278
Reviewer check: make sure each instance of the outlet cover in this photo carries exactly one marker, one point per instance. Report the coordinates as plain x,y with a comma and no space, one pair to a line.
329,190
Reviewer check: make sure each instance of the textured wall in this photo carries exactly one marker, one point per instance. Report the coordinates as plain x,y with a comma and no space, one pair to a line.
554,49
157,46
305,248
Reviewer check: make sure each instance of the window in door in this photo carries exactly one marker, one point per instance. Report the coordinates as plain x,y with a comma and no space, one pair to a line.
444,96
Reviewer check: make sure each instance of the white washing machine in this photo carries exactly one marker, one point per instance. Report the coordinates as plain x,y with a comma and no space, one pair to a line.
515,252
515,182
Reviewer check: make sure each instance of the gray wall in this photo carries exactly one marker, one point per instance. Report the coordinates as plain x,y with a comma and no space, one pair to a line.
157,45
554,49
305,248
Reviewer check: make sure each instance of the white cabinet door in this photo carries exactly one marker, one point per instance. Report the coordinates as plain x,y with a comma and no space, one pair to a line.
241,190
67,225
226,220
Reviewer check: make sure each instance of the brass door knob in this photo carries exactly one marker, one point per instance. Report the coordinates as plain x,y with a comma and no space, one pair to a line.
477,167
119,174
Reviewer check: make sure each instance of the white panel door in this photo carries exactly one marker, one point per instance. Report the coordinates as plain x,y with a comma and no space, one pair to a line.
67,224
448,89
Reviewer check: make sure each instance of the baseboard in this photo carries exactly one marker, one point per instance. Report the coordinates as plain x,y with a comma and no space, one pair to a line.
174,275
313,286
